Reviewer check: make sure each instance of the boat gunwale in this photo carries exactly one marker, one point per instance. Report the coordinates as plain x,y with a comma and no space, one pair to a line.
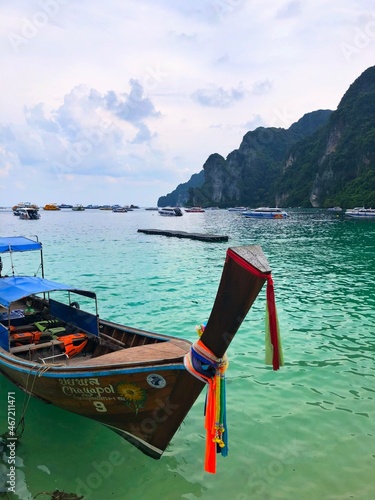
66,371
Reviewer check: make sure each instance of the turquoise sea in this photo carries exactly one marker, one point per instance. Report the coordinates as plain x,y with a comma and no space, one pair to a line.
306,431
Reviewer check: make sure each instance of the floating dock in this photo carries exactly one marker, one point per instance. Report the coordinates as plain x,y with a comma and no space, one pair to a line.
183,234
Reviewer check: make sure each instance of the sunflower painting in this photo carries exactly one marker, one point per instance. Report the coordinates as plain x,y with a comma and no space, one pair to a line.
131,395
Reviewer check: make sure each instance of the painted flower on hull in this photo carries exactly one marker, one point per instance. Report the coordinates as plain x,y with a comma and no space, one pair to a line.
132,395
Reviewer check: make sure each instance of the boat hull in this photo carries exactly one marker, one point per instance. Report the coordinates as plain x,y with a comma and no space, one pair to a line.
144,404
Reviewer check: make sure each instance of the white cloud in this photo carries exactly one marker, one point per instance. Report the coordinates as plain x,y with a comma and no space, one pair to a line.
289,9
128,99
218,97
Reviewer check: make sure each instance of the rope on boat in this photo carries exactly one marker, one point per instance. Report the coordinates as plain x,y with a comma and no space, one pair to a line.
204,365
41,370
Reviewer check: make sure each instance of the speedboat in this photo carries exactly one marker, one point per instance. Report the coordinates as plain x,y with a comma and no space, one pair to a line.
237,209
28,213
120,210
266,213
360,212
194,210
170,212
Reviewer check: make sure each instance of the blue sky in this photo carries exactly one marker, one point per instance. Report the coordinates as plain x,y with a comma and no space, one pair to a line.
120,101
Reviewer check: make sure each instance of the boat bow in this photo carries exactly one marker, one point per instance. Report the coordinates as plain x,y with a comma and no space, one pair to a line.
245,271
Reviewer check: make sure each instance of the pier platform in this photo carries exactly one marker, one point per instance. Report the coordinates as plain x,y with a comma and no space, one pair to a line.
184,234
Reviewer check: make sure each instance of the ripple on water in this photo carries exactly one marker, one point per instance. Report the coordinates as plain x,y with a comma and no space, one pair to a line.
306,431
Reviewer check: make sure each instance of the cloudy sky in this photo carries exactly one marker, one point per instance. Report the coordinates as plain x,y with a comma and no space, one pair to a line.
122,100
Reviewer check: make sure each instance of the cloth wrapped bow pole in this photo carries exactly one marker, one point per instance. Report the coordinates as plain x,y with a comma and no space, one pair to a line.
206,366
203,364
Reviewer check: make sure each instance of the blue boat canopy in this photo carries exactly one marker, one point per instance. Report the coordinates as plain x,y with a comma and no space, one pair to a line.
14,288
18,244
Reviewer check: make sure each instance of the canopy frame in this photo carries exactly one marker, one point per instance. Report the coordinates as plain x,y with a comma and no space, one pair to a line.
13,244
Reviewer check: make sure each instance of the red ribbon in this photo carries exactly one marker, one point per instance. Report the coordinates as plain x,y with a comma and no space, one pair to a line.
271,304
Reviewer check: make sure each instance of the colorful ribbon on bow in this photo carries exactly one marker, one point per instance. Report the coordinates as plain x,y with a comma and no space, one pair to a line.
204,365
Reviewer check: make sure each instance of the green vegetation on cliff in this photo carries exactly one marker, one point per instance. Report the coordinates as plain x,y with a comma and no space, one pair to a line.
324,159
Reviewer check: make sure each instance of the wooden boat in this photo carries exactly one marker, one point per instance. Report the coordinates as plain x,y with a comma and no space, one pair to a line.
135,382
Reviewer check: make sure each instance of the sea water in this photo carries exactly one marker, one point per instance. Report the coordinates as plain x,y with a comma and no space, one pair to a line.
305,431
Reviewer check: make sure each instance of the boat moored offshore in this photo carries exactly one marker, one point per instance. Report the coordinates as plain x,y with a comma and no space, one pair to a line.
266,213
170,212
361,212
28,213
51,207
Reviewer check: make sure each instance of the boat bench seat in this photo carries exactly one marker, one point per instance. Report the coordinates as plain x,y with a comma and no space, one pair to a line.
34,347
23,328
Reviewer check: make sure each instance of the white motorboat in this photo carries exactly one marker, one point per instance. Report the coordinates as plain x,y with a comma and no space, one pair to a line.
266,213
170,212
361,212
28,213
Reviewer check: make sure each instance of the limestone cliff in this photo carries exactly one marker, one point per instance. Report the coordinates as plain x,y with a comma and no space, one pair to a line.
324,159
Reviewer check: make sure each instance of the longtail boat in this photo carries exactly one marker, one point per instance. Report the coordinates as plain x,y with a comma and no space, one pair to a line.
137,383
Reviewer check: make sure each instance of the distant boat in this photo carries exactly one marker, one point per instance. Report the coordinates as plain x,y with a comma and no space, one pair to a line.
335,209
194,210
170,212
361,212
28,213
25,204
64,205
152,208
51,207
237,209
266,213
119,210
78,208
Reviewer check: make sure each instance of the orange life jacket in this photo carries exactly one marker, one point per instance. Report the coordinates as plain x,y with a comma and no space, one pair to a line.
73,343
25,338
